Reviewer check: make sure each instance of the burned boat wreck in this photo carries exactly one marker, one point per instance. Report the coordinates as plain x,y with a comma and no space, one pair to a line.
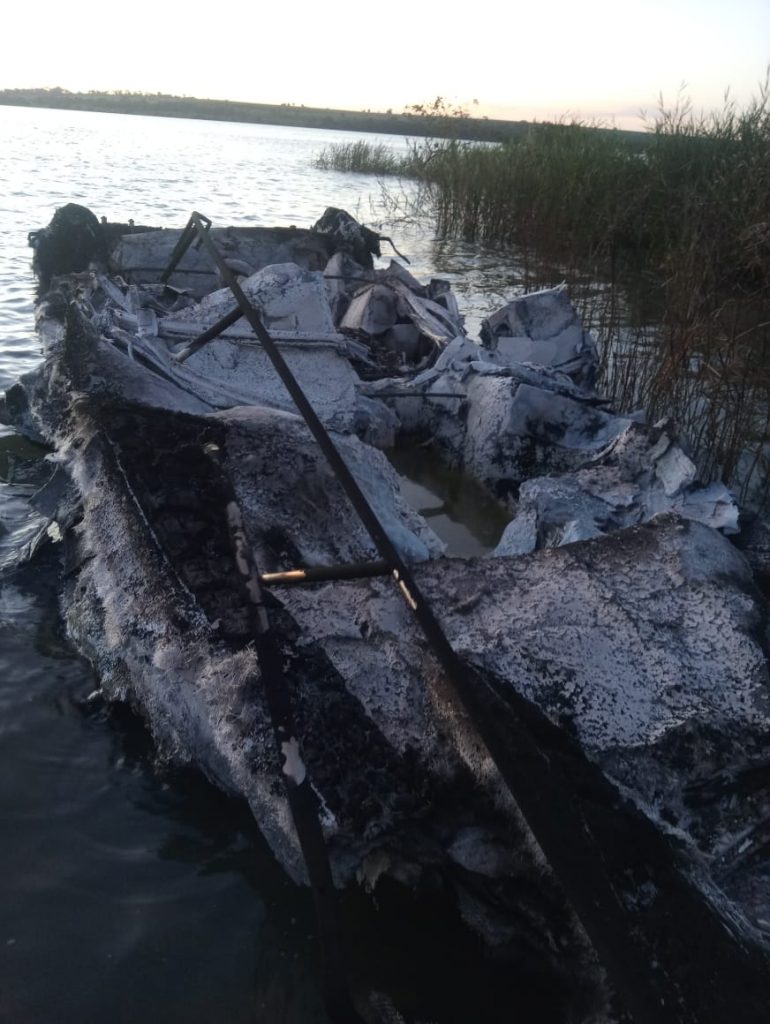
572,733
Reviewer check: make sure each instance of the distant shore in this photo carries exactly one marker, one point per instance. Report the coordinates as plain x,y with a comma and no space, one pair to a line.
161,105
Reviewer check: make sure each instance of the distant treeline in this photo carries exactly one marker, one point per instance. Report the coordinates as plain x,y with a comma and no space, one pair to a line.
421,121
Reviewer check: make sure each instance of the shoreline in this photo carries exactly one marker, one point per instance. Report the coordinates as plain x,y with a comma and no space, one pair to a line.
161,105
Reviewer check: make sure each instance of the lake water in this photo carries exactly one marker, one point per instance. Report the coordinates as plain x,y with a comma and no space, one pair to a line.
130,892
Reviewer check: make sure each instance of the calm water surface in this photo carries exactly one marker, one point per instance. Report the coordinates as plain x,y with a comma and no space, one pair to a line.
129,892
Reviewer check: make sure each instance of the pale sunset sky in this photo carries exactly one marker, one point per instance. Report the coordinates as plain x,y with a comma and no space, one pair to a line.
605,59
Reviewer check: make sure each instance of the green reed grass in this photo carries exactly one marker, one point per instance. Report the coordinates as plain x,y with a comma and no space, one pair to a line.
665,247
360,157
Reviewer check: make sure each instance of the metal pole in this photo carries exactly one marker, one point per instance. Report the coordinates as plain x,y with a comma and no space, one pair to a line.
325,574
214,331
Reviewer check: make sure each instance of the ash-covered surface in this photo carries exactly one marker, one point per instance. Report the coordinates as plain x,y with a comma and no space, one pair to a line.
616,622
402,786
147,599
519,412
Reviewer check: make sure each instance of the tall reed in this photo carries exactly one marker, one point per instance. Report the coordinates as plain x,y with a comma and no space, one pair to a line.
360,157
665,247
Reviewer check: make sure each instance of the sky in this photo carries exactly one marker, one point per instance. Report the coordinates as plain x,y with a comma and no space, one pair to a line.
598,59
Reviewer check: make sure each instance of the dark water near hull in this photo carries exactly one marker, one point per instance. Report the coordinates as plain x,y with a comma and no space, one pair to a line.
461,511
128,891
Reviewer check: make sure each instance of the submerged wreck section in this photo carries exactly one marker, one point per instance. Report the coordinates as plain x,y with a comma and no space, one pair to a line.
594,791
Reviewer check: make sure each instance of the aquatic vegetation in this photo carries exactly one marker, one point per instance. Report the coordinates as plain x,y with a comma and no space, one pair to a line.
665,246
362,157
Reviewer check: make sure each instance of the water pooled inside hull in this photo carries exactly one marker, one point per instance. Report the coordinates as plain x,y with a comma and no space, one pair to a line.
461,512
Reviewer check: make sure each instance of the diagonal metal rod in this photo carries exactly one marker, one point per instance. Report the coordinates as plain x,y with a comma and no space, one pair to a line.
197,223
213,332
557,790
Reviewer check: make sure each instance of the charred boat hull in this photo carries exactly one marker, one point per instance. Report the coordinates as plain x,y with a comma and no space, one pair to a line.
605,718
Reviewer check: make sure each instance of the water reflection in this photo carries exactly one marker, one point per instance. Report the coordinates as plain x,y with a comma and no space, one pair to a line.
129,891
134,891
462,512
22,473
